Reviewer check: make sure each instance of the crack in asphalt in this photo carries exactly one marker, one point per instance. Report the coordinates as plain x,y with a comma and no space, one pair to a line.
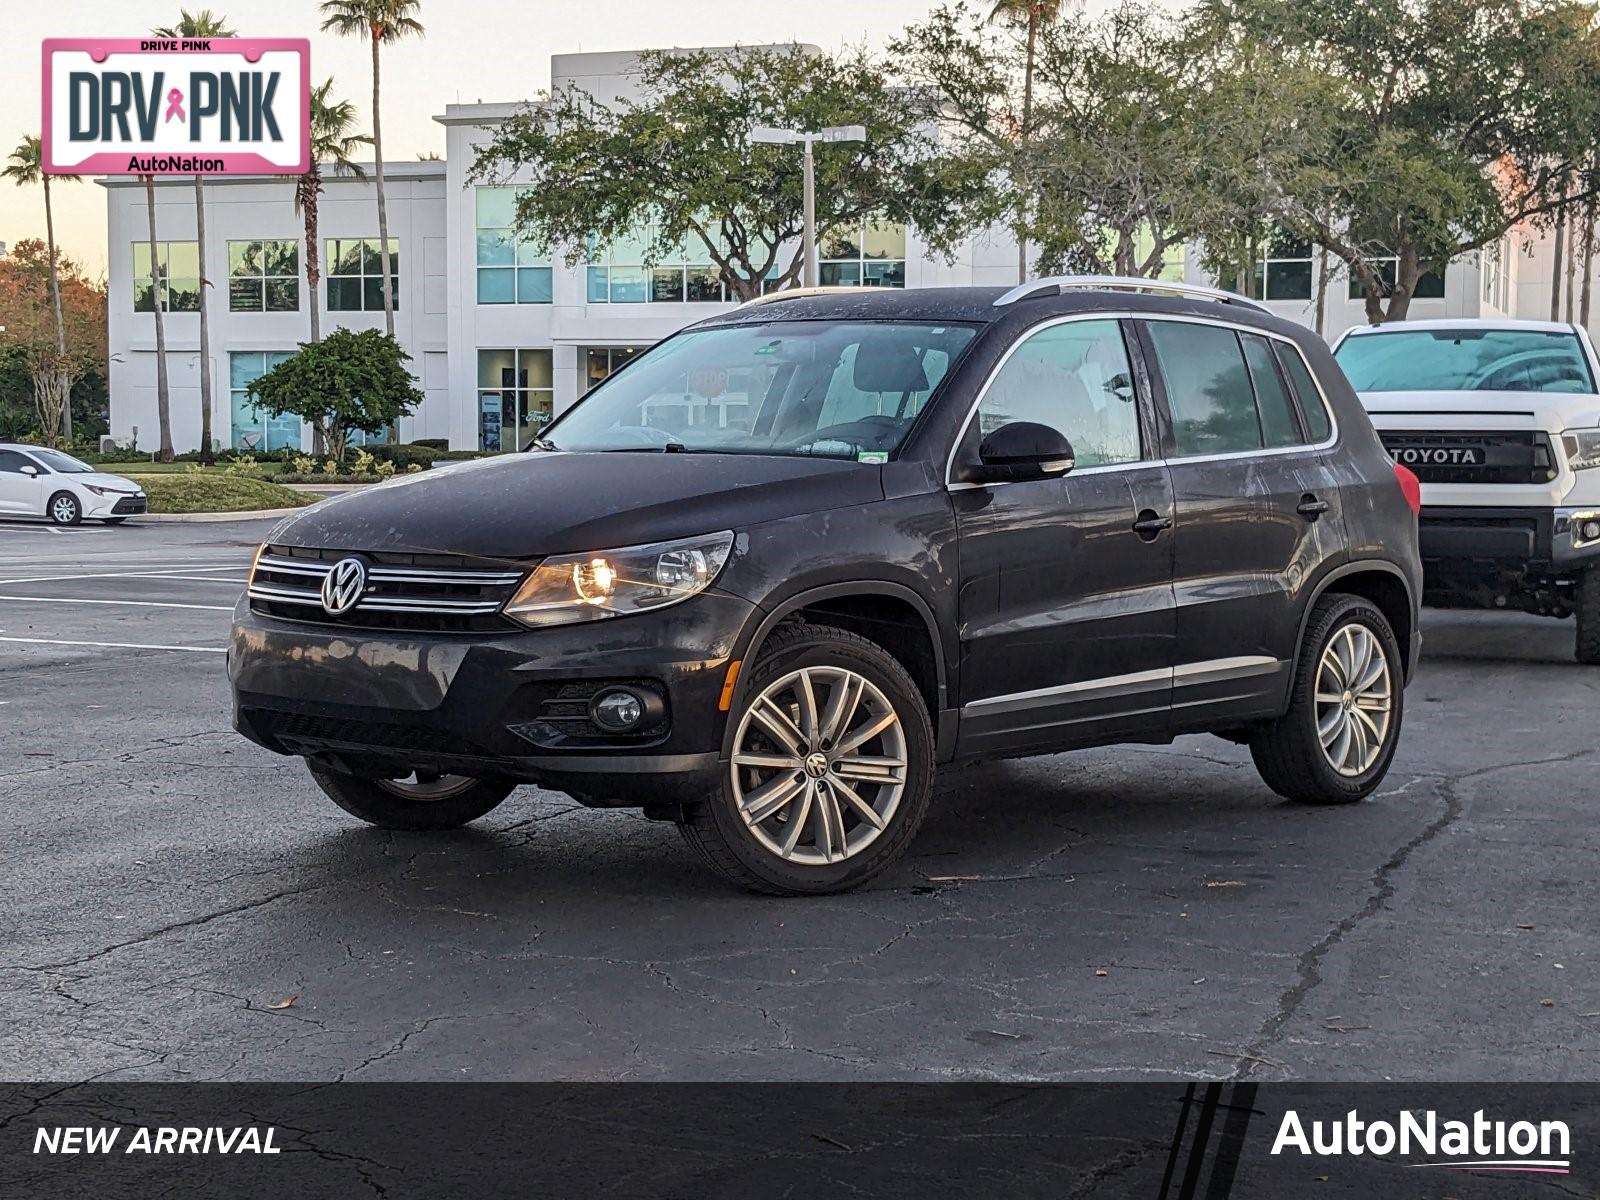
1308,964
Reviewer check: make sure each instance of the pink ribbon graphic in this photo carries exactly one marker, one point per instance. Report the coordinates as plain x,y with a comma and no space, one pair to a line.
175,105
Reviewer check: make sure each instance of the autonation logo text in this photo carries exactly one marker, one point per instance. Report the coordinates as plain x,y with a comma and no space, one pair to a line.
1476,1145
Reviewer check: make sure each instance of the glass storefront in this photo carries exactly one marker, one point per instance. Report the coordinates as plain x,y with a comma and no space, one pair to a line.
516,397
600,361
255,432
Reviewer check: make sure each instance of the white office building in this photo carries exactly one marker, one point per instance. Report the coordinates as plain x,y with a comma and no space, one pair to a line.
500,335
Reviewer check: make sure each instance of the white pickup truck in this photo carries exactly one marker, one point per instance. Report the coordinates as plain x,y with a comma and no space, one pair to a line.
1500,420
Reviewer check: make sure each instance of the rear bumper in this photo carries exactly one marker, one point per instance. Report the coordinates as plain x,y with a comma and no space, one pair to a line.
1536,539
508,705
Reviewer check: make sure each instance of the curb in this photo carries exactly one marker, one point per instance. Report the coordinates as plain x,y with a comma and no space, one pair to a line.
247,515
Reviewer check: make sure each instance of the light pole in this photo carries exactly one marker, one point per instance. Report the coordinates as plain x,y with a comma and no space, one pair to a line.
767,135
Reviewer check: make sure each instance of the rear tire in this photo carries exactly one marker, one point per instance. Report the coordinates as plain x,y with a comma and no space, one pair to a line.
1588,613
64,509
448,803
845,806
1336,742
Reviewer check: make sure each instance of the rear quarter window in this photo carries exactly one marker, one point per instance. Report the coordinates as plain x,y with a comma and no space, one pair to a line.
1319,425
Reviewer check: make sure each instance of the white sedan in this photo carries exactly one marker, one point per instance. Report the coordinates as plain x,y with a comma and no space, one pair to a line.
39,482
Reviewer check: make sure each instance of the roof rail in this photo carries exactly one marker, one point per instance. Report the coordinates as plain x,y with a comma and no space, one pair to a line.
800,293
1054,285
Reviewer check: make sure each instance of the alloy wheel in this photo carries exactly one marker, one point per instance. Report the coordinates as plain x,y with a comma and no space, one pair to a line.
819,765
1354,700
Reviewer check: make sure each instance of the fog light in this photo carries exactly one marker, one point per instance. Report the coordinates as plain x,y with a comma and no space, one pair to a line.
617,710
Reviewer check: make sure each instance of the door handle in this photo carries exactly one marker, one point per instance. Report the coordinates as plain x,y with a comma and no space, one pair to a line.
1311,508
1150,524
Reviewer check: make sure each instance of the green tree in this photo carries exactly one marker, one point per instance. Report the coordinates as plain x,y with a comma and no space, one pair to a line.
1127,136
332,142
202,24
678,163
46,302
1440,125
381,22
1030,16
25,168
347,381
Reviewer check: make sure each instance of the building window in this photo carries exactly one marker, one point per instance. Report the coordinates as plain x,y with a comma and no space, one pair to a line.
510,270
254,431
1429,287
871,254
516,397
1496,262
179,267
618,274
264,276
355,274
601,361
1283,271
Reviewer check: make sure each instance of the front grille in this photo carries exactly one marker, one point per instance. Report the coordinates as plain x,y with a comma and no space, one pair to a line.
426,592
1493,456
130,505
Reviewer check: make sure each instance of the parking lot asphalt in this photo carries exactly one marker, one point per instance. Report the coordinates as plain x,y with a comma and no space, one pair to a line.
180,904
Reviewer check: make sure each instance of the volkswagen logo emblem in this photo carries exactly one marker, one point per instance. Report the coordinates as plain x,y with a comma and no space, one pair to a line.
343,587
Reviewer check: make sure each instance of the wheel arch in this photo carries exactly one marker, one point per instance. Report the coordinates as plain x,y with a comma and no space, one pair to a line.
1379,581
891,614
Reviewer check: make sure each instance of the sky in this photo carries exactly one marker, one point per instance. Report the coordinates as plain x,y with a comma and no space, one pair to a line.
474,50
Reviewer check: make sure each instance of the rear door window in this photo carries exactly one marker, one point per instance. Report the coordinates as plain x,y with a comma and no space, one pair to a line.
1280,426
1319,426
1208,388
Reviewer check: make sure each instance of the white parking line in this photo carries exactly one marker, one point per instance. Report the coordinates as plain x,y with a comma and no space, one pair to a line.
200,576
136,603
115,645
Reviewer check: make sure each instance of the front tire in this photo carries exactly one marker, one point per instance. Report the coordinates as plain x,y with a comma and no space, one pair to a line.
1588,613
831,772
421,804
64,509
1336,742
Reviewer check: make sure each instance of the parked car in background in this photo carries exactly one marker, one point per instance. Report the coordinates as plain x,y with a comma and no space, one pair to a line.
1500,420
940,525
36,481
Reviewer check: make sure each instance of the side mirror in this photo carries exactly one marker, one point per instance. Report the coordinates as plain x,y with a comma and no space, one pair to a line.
31,470
1022,450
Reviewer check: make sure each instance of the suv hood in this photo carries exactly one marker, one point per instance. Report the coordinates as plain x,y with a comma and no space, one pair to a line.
1549,411
523,506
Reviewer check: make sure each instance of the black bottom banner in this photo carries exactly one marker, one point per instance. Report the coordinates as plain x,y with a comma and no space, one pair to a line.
1157,1141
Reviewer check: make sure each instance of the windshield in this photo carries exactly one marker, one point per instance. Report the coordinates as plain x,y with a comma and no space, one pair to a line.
1466,360
835,389
64,464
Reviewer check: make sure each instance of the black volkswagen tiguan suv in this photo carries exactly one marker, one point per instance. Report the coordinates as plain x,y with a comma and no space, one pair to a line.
764,581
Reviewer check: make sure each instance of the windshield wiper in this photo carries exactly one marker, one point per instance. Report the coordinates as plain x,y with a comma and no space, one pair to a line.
540,443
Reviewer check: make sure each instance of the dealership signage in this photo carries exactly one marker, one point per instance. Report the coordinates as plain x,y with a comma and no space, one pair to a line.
177,106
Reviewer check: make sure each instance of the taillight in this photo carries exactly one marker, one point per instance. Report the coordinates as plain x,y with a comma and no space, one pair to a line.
1410,487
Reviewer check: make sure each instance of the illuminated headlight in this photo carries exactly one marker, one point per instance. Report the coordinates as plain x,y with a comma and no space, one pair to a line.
614,583
1582,447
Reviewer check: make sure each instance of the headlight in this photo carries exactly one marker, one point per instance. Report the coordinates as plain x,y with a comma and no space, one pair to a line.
105,491
1583,448
614,583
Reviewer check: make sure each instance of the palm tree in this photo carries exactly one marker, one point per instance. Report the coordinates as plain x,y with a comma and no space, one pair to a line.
157,302
332,142
1034,15
202,24
380,21
27,168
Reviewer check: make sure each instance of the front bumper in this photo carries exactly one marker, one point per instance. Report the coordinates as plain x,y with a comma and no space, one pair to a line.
384,701
1523,537
117,505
